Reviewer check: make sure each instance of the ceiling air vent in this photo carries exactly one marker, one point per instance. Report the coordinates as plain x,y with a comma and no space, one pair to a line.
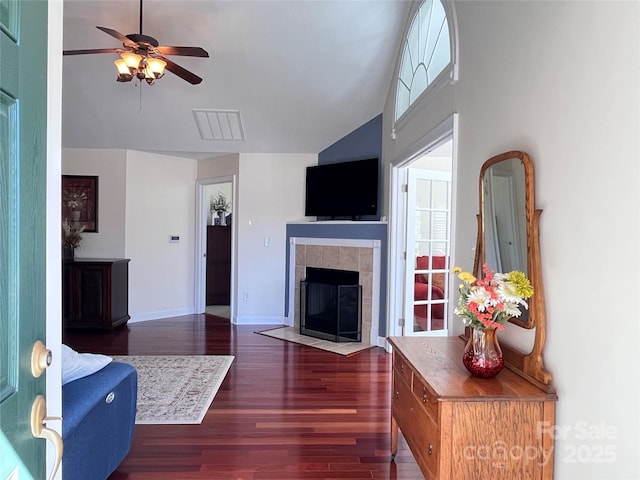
219,124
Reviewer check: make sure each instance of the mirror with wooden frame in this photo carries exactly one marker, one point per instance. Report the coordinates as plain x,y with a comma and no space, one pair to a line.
508,240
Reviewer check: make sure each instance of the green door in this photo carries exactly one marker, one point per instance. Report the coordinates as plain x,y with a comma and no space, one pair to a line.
23,82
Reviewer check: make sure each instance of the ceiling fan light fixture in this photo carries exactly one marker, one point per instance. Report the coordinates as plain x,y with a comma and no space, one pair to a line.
141,56
131,59
124,73
148,76
121,66
155,67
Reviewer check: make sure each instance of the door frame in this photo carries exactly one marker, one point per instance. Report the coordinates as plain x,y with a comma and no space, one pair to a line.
53,249
202,210
447,129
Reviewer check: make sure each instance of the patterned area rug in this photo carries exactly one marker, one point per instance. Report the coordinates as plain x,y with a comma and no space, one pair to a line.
175,389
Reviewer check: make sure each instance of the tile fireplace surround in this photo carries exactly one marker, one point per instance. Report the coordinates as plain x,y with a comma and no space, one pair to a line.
362,256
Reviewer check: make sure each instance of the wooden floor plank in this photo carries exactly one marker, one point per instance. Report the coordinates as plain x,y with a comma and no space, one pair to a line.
283,412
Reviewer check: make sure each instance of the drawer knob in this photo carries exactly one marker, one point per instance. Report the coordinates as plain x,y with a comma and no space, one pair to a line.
425,395
430,449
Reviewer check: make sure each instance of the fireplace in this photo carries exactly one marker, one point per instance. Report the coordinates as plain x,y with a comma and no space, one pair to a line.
331,305
360,255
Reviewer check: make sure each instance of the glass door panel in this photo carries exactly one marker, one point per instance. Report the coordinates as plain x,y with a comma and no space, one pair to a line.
428,252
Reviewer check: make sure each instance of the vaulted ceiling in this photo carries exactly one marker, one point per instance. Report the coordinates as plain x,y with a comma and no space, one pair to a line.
301,73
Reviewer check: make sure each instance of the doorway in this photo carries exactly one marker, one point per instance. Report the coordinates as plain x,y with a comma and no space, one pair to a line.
215,270
422,214
428,243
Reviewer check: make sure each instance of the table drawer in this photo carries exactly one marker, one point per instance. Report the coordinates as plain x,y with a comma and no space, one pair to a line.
421,433
403,368
426,397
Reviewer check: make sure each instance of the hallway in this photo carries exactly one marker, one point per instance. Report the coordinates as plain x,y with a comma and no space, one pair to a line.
223,311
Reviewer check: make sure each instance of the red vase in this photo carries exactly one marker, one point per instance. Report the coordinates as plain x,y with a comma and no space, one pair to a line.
482,355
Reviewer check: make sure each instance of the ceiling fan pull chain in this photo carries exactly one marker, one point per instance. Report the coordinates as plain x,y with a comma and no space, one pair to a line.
140,88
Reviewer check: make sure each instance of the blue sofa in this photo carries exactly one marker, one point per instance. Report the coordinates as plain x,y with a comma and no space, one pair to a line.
98,414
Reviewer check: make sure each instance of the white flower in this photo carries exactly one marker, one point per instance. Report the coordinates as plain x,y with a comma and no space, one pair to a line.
219,204
507,292
492,300
480,297
512,309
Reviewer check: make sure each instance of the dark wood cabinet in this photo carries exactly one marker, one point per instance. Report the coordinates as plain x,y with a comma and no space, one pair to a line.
218,265
95,293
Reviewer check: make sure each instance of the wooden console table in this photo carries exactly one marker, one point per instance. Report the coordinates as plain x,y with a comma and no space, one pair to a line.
95,293
463,428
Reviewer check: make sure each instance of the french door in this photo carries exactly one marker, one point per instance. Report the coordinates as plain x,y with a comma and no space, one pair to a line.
428,252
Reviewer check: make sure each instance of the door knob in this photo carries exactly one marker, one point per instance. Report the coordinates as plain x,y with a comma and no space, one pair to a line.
38,430
40,358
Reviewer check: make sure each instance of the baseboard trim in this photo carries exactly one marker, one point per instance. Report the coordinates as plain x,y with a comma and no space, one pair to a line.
259,320
144,317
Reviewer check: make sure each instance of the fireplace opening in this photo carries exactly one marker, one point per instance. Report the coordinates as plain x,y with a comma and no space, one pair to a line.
331,305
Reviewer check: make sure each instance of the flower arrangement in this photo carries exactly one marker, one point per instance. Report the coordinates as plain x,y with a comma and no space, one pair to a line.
75,199
219,204
491,301
71,234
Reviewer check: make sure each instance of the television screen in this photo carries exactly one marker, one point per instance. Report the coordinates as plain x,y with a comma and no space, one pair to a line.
346,189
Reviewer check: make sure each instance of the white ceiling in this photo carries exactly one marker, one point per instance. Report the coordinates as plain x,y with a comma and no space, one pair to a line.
302,73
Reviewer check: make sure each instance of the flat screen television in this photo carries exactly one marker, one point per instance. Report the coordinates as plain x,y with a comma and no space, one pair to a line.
343,190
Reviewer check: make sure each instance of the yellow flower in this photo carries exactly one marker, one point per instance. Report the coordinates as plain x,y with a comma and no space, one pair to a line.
520,283
464,276
467,277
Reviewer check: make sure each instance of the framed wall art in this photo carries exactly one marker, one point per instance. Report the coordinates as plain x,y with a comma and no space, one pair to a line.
80,201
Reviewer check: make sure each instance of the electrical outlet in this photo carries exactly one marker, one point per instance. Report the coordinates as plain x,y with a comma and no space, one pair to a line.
267,242
245,296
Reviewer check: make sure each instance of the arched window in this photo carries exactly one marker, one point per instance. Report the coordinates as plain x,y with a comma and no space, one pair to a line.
426,56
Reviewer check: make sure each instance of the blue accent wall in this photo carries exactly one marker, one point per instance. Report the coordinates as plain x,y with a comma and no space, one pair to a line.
363,143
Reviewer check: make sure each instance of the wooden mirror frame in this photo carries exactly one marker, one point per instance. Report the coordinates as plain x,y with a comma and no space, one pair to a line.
529,365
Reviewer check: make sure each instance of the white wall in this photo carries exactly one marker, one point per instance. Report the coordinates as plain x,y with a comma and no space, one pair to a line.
219,166
271,194
110,167
160,193
142,199
153,197
561,80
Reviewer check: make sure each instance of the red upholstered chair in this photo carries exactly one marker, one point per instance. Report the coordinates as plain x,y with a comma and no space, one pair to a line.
422,288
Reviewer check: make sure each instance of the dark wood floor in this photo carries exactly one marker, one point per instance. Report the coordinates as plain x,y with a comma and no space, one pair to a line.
284,411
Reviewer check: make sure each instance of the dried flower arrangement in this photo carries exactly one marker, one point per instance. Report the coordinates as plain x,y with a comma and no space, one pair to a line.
71,234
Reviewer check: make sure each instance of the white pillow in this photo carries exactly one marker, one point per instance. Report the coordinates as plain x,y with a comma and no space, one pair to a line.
77,365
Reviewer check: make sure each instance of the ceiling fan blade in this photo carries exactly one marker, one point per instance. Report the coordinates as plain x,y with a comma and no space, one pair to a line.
183,73
119,36
92,50
183,51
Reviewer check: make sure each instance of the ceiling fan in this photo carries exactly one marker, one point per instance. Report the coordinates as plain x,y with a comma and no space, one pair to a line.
142,57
